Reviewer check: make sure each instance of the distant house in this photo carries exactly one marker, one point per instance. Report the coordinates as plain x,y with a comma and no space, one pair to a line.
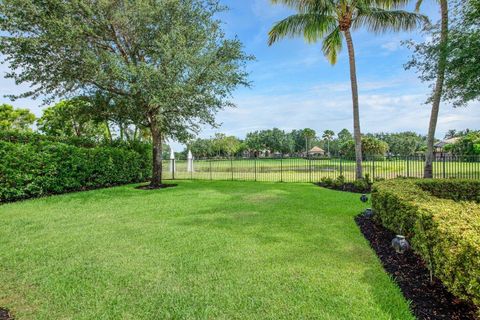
439,147
316,152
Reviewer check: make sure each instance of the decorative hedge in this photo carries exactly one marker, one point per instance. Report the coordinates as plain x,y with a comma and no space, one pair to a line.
42,167
465,190
445,232
34,137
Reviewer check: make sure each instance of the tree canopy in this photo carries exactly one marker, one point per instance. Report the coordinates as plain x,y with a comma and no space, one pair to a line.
15,119
70,118
168,61
462,74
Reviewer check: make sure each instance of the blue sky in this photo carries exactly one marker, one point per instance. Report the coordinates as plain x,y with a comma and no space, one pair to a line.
294,86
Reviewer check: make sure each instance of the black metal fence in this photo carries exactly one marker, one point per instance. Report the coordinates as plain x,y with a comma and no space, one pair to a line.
314,169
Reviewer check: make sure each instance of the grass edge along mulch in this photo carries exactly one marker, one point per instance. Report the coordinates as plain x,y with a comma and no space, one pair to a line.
5,314
428,300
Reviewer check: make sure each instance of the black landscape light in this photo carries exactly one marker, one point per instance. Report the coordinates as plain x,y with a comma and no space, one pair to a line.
400,244
364,198
368,213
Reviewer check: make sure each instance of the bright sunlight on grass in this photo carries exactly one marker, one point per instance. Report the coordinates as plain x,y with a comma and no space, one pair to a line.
202,250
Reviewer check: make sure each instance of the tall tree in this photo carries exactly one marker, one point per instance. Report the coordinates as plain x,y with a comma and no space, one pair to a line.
328,136
438,89
168,59
333,20
15,119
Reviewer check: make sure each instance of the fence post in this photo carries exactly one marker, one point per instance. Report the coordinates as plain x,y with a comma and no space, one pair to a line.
173,170
310,169
255,164
444,167
281,168
408,167
373,169
210,162
231,166
341,166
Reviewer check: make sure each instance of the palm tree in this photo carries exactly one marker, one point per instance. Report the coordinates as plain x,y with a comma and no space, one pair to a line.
308,134
437,94
452,133
328,136
333,20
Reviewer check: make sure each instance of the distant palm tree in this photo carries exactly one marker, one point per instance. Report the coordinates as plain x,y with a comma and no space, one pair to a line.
328,136
309,134
330,21
452,133
437,94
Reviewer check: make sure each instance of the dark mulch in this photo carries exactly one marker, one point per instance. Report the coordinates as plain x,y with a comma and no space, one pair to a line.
162,186
429,300
5,315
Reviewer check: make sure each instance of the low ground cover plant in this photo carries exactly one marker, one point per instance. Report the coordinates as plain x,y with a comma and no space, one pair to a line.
441,218
38,167
359,186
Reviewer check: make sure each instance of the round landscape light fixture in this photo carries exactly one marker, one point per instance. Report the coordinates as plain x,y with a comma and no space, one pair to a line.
368,213
400,244
364,198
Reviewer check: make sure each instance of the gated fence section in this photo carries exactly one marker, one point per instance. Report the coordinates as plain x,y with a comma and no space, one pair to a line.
314,169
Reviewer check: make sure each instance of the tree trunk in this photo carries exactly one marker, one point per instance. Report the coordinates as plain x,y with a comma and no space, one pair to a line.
356,112
157,143
109,132
437,95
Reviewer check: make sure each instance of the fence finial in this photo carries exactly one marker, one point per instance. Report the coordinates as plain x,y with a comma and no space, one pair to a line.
172,161
190,161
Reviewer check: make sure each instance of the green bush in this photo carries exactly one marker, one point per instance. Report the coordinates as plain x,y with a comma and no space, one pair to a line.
468,190
445,232
34,137
43,167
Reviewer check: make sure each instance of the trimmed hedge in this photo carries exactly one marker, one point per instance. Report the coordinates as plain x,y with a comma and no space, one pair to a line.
34,137
43,167
445,232
465,190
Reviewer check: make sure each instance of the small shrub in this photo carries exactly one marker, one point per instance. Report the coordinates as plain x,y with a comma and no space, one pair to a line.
446,233
359,186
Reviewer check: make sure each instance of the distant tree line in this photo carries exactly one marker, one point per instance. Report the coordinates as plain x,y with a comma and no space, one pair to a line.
74,118
298,142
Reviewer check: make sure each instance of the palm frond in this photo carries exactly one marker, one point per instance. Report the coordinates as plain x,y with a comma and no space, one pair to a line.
332,45
304,6
383,4
418,5
312,26
381,20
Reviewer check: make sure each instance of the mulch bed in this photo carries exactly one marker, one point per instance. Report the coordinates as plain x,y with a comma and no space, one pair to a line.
162,186
5,315
429,300
347,187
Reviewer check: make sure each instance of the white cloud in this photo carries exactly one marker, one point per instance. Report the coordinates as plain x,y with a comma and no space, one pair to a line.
391,46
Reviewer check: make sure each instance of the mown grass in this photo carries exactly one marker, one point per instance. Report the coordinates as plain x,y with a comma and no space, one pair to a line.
313,170
202,250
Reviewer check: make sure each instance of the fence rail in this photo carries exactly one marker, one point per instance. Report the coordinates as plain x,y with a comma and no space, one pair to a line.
314,169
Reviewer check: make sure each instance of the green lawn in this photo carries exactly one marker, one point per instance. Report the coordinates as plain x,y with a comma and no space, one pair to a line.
203,250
